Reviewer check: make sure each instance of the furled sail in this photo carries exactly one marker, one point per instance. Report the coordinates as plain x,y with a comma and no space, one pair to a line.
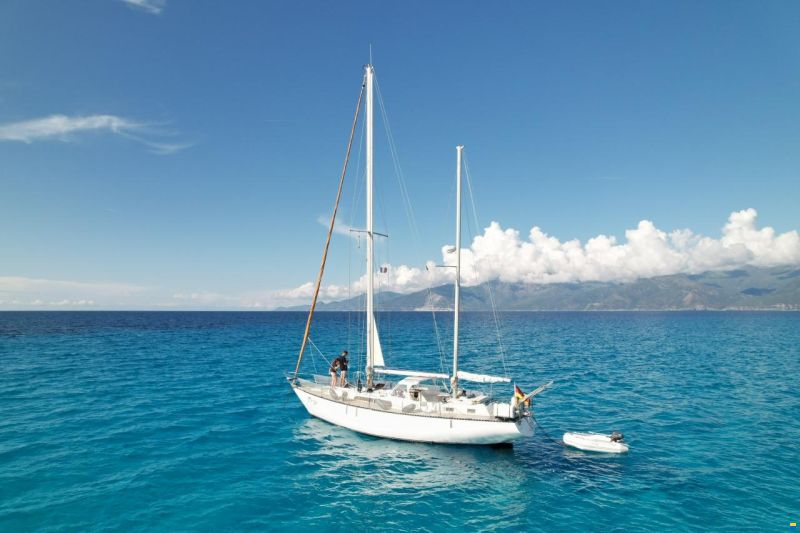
410,373
377,356
481,378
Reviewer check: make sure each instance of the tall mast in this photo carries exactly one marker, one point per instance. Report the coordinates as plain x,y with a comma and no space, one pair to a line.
457,303
370,236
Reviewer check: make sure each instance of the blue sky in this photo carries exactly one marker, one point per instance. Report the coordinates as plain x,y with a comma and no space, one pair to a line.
196,144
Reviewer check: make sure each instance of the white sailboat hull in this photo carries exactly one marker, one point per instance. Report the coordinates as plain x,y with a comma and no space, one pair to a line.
416,428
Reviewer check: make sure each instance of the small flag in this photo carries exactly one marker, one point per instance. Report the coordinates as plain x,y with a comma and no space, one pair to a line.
519,395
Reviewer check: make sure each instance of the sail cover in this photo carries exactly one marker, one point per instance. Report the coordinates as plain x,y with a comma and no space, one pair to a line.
411,373
481,378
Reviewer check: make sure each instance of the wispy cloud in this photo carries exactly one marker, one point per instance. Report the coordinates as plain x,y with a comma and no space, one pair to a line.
205,298
62,126
24,292
66,128
20,292
338,227
167,148
154,7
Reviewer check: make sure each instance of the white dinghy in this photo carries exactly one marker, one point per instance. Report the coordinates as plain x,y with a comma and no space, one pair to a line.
596,442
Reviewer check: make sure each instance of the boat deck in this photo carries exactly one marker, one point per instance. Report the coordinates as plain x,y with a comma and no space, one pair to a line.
427,403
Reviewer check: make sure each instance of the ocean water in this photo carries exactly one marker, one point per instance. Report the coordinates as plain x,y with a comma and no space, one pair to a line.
184,422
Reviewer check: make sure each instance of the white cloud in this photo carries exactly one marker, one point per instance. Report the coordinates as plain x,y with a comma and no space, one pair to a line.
503,254
65,128
61,127
647,252
339,228
154,7
327,292
167,148
23,292
214,299
72,303
496,254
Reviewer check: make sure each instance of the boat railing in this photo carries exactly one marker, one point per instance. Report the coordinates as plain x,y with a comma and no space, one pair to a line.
426,401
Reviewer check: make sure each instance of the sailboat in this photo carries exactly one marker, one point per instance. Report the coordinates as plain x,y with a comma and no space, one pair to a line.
420,407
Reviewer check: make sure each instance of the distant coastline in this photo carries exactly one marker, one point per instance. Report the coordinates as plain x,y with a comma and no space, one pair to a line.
775,289
750,289
470,311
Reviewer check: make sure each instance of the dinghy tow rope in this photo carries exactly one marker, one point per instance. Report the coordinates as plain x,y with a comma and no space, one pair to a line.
558,442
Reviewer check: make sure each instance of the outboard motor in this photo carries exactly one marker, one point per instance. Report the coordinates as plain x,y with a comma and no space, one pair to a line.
616,436
358,384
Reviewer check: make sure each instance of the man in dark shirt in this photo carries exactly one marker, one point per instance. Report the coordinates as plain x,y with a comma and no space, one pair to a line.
340,364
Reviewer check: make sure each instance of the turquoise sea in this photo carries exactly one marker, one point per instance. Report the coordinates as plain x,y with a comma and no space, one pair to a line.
125,421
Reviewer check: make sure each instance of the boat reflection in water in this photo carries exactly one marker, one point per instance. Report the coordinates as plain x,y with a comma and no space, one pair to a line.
413,479
369,466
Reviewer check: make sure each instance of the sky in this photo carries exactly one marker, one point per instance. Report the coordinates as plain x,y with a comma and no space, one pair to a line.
184,154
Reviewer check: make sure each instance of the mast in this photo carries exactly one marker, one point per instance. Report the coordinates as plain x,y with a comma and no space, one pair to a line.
457,303
370,236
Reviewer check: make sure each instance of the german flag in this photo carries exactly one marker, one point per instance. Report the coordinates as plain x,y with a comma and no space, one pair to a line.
519,395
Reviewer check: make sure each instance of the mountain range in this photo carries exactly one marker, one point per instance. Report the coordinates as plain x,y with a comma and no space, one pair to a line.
751,288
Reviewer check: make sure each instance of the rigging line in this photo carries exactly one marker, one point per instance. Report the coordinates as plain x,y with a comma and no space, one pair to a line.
387,318
314,362
384,247
349,283
360,177
409,213
354,242
361,325
330,233
559,442
393,151
318,351
488,285
489,290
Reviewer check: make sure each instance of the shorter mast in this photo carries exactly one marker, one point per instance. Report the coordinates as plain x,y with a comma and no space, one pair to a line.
457,302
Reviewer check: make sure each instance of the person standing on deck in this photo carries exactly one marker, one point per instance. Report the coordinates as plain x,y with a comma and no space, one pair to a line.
340,364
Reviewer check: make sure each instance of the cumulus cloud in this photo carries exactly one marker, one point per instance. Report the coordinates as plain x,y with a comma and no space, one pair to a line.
505,255
326,292
66,128
497,254
154,7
